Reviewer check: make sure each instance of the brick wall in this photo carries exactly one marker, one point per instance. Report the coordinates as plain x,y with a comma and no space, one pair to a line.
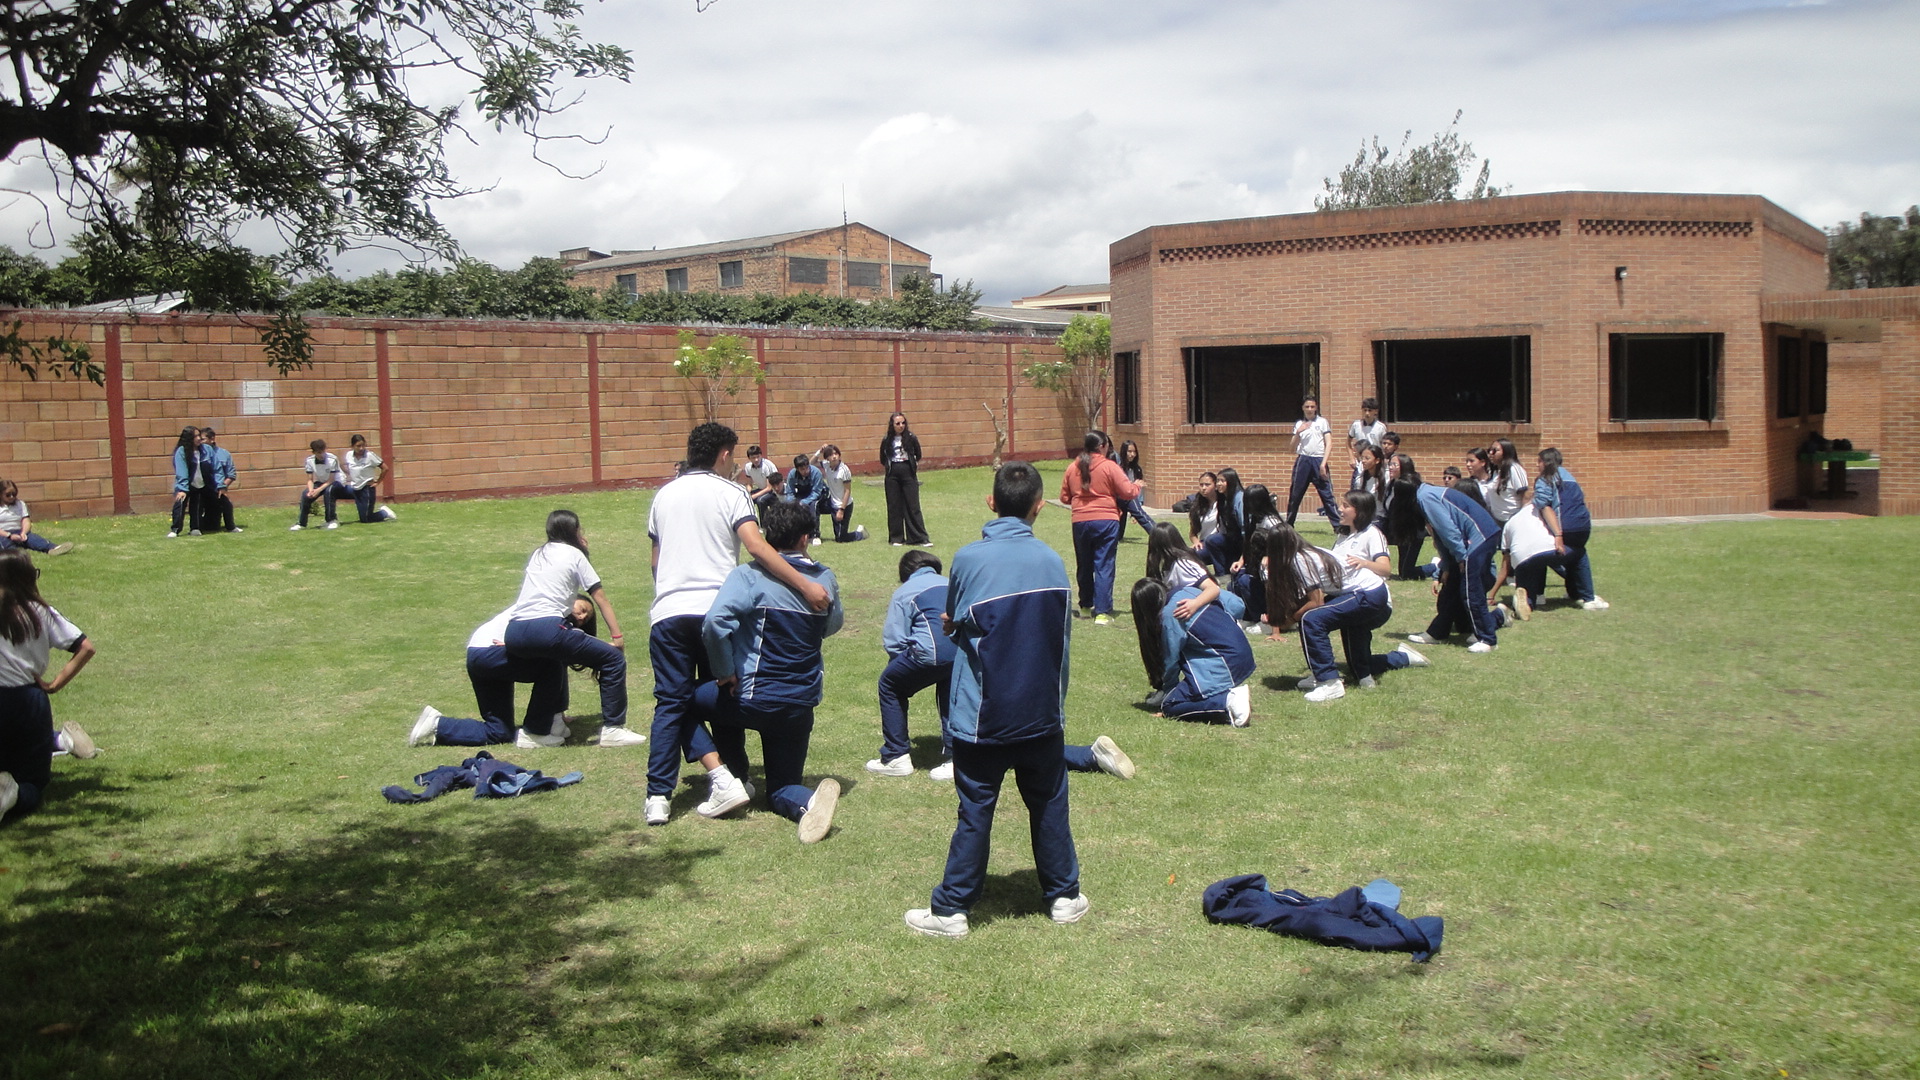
462,408
1853,394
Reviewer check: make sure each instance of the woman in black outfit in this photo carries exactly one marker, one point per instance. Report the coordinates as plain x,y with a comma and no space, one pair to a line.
900,457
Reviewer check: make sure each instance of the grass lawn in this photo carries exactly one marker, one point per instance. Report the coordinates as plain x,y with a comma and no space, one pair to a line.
1673,839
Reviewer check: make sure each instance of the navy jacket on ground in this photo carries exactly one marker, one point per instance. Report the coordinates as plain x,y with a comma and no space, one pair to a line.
489,777
1349,920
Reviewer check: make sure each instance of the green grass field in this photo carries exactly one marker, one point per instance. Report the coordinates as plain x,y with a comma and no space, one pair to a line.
1673,839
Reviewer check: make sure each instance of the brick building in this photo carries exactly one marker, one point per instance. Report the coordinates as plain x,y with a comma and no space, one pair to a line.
842,260
1630,330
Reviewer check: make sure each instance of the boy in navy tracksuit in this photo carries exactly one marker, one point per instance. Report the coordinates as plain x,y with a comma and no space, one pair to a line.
767,640
1008,607
919,655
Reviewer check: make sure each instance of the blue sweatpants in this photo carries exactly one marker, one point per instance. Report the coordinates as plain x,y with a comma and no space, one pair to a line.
1306,472
1186,702
784,735
552,639
1463,595
1356,615
902,678
1040,772
679,661
26,743
1095,544
493,673
33,542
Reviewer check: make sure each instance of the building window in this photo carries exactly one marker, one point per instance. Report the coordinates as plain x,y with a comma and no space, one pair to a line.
1664,376
902,272
1250,384
1126,388
677,279
1467,380
807,271
733,275
863,275
1816,378
1789,370
628,284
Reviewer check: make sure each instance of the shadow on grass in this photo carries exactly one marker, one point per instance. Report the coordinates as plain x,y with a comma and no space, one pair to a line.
491,947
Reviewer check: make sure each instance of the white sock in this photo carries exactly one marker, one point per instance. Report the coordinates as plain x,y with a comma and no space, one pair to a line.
720,777
61,742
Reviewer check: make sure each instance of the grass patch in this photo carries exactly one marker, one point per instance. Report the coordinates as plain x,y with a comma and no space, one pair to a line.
1672,839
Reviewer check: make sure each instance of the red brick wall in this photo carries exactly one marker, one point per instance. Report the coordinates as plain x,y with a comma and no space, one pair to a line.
1539,265
479,407
1853,394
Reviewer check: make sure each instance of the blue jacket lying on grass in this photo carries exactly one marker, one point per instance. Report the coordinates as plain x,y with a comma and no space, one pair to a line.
490,778
1351,920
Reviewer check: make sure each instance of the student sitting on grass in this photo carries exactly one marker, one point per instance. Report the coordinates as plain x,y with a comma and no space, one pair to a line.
30,629
1198,665
806,486
1008,608
16,524
493,673
1175,565
919,655
763,479
763,640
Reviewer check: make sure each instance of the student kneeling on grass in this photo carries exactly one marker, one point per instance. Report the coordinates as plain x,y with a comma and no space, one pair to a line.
493,673
30,629
919,655
1199,664
766,639
1007,609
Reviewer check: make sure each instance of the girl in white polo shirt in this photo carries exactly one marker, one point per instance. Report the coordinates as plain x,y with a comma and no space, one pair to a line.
1527,552
538,626
1354,600
29,631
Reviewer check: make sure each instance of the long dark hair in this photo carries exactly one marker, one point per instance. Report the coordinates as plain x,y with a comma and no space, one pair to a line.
1165,546
1506,465
1470,487
1550,462
1259,506
1405,519
1130,460
187,435
1149,597
1365,506
563,527
1379,471
1259,543
1090,445
903,432
1230,522
1202,501
1286,591
20,602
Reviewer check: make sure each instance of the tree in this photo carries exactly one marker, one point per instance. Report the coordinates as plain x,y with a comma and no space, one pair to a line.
1085,366
1878,253
1423,174
720,370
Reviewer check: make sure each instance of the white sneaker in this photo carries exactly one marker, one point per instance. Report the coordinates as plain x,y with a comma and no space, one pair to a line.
1252,628
900,766
560,727
1423,639
859,532
333,524
942,771
237,528
620,736
1103,620
658,809
1307,682
526,740
724,799
1111,758
290,528
77,742
10,794
815,542
1520,605
818,820
925,921
1366,682
1480,647
1415,658
387,512
1331,690
1239,705
1067,910
426,728
60,549
1595,604
171,535
194,532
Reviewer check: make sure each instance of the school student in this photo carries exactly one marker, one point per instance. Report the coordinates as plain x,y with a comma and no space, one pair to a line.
1527,552
493,672
30,629
325,482
764,480
1095,489
838,502
364,470
1199,664
1369,428
1203,511
1352,597
1563,507
1176,566
1409,543
1225,546
1466,536
1310,462
16,524
900,458
697,525
219,506
1503,483
919,655
538,627
1249,583
1129,461
1008,610
192,480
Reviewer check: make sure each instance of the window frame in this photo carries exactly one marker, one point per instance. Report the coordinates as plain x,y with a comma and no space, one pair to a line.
856,270
1519,375
739,268
1126,387
1619,385
1195,380
676,278
628,285
796,262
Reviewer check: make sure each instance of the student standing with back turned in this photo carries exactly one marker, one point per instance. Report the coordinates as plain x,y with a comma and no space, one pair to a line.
1007,609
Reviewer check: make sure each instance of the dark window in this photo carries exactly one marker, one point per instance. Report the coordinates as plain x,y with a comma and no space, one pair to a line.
863,275
1477,380
1816,378
733,275
628,284
901,272
677,279
1790,374
1250,384
807,271
1126,388
1664,376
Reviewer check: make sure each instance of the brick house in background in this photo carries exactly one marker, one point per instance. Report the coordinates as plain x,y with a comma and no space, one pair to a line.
1645,335
842,260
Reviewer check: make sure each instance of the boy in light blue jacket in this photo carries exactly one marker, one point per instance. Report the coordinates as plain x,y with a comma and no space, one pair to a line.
919,655
765,637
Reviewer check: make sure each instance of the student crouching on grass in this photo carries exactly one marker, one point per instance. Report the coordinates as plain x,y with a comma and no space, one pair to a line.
1199,663
1467,537
919,655
493,673
1349,594
30,629
837,505
1563,506
325,482
539,627
763,640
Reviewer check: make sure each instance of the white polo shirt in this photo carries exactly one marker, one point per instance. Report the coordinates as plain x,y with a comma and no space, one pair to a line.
1525,536
555,573
1313,436
838,482
322,470
361,471
12,516
694,521
1502,505
23,664
492,632
1373,432
1367,544
758,476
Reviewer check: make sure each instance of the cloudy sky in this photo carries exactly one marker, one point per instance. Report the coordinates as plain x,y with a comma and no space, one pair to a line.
1014,141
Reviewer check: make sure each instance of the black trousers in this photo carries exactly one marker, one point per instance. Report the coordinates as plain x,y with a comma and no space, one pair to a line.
904,523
